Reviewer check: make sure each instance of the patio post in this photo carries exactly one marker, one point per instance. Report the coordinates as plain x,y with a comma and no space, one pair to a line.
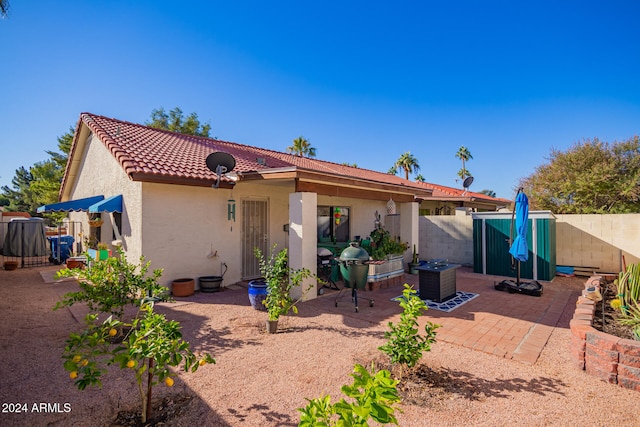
303,238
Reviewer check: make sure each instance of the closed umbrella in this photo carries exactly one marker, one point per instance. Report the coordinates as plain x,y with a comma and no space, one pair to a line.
519,249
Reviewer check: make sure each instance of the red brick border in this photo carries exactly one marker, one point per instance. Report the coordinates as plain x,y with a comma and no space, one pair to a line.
604,356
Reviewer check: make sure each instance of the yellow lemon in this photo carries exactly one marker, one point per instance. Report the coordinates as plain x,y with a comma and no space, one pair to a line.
112,332
131,364
77,358
202,362
168,381
85,362
73,375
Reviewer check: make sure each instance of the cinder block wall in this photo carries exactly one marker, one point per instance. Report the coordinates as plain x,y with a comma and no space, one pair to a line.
598,241
449,237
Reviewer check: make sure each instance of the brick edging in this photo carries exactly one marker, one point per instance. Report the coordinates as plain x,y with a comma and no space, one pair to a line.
602,355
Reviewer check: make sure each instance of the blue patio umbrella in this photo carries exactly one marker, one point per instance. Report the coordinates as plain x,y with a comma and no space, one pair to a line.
519,249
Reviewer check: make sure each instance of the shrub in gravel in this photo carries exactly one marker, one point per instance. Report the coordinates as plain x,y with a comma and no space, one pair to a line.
405,346
374,397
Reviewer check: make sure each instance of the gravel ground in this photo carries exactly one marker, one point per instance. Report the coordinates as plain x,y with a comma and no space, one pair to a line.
260,379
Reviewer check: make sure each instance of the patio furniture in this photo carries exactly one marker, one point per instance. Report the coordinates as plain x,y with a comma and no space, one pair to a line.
437,280
327,270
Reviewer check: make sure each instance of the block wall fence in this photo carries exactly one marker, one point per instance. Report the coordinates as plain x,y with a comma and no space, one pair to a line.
600,242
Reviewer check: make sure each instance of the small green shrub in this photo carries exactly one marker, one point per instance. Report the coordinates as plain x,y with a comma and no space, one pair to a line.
405,346
628,284
110,285
281,279
374,396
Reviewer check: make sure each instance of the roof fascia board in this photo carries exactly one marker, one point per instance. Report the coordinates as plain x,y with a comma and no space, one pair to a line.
74,161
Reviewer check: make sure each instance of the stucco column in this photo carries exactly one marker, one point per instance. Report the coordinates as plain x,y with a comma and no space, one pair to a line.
409,227
303,238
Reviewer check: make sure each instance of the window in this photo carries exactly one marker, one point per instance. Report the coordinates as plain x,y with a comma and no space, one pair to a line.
117,217
333,224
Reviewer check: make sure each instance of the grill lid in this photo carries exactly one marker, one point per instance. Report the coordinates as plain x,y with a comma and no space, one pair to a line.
354,253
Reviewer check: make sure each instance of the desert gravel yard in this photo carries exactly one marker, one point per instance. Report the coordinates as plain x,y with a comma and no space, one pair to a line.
260,379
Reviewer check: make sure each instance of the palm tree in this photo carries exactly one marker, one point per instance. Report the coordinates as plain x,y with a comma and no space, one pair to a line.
301,147
419,178
409,163
489,193
465,155
4,8
463,173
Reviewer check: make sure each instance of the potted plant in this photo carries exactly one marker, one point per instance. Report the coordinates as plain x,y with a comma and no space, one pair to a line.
100,252
415,262
96,222
387,254
384,246
280,280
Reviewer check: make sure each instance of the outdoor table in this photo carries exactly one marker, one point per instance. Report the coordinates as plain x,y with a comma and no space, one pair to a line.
437,282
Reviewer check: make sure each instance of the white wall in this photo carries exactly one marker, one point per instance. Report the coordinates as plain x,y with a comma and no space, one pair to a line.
101,174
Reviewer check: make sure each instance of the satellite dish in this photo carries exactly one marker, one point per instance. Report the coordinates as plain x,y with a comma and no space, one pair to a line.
220,163
467,182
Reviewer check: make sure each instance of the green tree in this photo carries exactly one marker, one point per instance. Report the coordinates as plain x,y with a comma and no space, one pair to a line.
4,8
489,193
41,184
463,173
175,121
408,163
420,178
19,196
465,155
590,177
301,147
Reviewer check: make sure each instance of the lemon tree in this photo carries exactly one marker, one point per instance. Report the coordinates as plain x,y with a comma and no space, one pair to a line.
152,345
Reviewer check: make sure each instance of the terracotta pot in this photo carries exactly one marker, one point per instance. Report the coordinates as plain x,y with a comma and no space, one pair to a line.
183,287
10,265
75,263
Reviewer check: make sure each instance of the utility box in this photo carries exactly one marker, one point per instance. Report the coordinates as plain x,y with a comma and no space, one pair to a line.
491,243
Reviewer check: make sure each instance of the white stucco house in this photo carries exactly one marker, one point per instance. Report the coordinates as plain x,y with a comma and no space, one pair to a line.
156,196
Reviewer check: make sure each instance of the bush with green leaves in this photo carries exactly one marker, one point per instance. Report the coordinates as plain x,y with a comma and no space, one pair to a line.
374,396
149,346
628,285
281,279
405,346
110,285
628,298
383,245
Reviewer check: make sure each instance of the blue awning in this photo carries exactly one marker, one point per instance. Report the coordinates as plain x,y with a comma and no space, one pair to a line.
71,205
112,204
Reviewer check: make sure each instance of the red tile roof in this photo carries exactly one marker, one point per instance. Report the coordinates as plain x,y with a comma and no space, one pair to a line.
148,154
440,191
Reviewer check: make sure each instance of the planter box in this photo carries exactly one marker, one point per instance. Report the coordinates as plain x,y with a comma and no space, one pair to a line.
383,270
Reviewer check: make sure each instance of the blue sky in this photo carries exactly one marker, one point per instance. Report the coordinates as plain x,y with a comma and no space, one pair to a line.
363,81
